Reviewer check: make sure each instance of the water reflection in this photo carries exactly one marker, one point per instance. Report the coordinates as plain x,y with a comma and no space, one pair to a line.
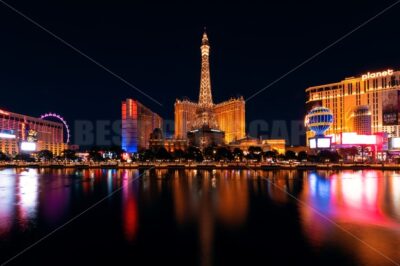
129,205
197,205
7,194
365,203
26,197
208,198
18,199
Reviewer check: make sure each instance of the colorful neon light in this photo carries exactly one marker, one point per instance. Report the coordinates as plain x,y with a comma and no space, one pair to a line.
59,117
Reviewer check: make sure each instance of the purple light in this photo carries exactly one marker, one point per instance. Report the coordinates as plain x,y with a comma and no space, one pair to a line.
59,117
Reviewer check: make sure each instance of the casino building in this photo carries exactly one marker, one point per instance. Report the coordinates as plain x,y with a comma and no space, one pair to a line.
366,104
138,122
204,121
19,133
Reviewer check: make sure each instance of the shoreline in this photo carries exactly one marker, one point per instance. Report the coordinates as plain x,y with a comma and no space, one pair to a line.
209,166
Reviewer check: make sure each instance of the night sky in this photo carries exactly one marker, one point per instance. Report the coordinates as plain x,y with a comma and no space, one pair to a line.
156,47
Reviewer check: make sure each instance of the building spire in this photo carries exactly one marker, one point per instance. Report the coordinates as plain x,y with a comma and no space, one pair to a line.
205,97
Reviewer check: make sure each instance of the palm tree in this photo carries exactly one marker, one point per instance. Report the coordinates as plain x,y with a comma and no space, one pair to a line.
179,154
194,153
209,152
45,155
290,155
3,156
162,154
69,155
223,153
255,153
302,155
271,154
238,154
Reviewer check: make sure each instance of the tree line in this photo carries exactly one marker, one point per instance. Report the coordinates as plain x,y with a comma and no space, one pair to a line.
211,153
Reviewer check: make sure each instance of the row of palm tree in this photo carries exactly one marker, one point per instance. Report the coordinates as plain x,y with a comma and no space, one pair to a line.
212,153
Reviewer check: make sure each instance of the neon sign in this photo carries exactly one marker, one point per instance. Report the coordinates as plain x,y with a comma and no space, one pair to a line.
369,75
28,146
352,138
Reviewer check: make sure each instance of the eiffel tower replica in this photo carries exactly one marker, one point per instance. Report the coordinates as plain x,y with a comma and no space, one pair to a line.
205,131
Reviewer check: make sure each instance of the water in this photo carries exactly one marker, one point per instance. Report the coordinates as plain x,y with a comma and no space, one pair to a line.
189,217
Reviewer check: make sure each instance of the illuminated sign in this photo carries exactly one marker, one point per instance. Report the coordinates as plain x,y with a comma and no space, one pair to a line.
395,143
369,75
324,142
28,146
7,136
352,138
313,143
320,143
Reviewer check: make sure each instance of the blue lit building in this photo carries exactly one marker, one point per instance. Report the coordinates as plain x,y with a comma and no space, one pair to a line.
138,122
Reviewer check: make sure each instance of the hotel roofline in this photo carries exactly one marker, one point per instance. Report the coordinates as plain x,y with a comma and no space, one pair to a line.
30,118
347,79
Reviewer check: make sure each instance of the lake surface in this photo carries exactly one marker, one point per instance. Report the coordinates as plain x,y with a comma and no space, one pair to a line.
199,217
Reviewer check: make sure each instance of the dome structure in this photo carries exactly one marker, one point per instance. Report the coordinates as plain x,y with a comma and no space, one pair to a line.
319,119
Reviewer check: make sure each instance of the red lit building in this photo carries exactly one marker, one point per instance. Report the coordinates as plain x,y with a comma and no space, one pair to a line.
138,122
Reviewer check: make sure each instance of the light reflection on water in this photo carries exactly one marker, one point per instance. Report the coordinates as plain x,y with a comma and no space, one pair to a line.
366,203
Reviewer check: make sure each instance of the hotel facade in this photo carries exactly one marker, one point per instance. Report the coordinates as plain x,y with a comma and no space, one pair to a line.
366,104
138,122
16,128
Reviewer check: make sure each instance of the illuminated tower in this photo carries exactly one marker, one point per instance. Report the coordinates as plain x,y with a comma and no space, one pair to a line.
205,97
204,120
205,115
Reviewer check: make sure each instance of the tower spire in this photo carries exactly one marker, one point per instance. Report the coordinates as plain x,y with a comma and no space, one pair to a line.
205,97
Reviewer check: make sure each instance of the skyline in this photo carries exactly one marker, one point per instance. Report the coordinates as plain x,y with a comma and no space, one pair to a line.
199,133
165,63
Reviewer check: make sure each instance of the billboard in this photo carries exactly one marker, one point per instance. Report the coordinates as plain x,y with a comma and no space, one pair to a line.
324,142
7,134
28,146
313,143
390,108
352,138
395,143
320,142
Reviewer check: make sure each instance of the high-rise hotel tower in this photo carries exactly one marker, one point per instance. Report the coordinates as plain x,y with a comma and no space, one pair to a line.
228,116
138,122
369,103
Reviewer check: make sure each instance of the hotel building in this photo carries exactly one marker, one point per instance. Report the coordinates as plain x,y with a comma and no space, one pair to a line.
14,129
157,140
138,122
227,117
279,145
366,104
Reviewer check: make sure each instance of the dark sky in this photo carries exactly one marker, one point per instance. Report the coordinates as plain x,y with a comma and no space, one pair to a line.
155,46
